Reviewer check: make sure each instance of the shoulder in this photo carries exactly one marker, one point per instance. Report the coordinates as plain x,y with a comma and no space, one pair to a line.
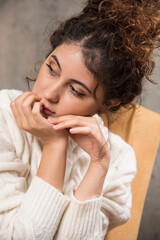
12,138
6,97
7,121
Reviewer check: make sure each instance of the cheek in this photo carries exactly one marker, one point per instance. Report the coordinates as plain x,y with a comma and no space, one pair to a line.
89,107
78,106
38,86
41,82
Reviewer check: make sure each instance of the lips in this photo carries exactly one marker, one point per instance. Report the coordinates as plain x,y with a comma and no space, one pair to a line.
45,110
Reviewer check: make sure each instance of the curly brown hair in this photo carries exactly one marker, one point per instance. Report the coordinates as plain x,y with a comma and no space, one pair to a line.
117,38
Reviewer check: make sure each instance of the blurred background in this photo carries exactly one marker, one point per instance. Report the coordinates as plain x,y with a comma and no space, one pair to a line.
25,26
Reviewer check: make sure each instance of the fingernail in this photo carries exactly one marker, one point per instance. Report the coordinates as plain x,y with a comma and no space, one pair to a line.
49,119
55,126
72,130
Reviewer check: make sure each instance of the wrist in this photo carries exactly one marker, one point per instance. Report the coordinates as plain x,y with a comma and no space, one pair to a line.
103,158
101,164
94,178
53,163
61,142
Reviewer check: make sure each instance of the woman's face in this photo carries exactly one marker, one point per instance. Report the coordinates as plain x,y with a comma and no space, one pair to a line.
65,85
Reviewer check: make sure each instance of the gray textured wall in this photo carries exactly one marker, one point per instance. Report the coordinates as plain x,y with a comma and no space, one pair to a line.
23,36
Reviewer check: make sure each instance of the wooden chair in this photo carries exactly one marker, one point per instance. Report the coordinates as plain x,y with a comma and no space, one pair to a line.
140,127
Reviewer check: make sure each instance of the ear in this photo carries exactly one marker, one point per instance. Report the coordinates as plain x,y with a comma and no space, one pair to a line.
109,104
113,103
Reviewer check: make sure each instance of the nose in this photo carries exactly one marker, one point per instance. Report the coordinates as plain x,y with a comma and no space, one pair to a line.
52,93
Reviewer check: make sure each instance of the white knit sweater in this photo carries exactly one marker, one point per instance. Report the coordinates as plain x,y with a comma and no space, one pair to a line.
32,209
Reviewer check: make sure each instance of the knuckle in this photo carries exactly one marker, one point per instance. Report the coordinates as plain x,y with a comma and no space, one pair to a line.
32,97
94,120
76,121
95,123
34,112
28,93
12,104
24,105
20,126
89,131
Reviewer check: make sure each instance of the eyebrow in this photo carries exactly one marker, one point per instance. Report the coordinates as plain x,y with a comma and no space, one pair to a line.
82,84
56,59
73,80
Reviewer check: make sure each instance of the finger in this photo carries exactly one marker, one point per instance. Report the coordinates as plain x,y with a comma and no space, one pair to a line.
28,100
81,130
23,110
69,121
16,109
25,95
27,105
59,119
25,99
36,111
20,108
15,113
21,101
69,124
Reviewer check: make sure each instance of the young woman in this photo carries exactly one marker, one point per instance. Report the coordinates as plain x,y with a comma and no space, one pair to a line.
63,174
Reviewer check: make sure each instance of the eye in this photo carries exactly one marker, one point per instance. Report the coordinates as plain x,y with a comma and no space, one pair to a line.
51,69
76,93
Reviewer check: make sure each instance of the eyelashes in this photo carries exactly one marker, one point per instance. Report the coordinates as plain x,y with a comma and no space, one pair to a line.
51,69
73,90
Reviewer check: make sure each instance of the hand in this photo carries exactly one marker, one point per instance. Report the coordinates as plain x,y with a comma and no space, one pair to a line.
86,132
26,110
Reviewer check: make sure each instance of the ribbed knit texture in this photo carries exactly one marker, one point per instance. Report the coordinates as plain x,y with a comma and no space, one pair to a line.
44,204
32,209
85,219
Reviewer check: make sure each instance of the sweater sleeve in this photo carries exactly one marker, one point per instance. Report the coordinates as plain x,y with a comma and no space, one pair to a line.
26,212
91,219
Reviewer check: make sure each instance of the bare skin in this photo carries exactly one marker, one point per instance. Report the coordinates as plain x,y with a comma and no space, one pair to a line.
61,105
